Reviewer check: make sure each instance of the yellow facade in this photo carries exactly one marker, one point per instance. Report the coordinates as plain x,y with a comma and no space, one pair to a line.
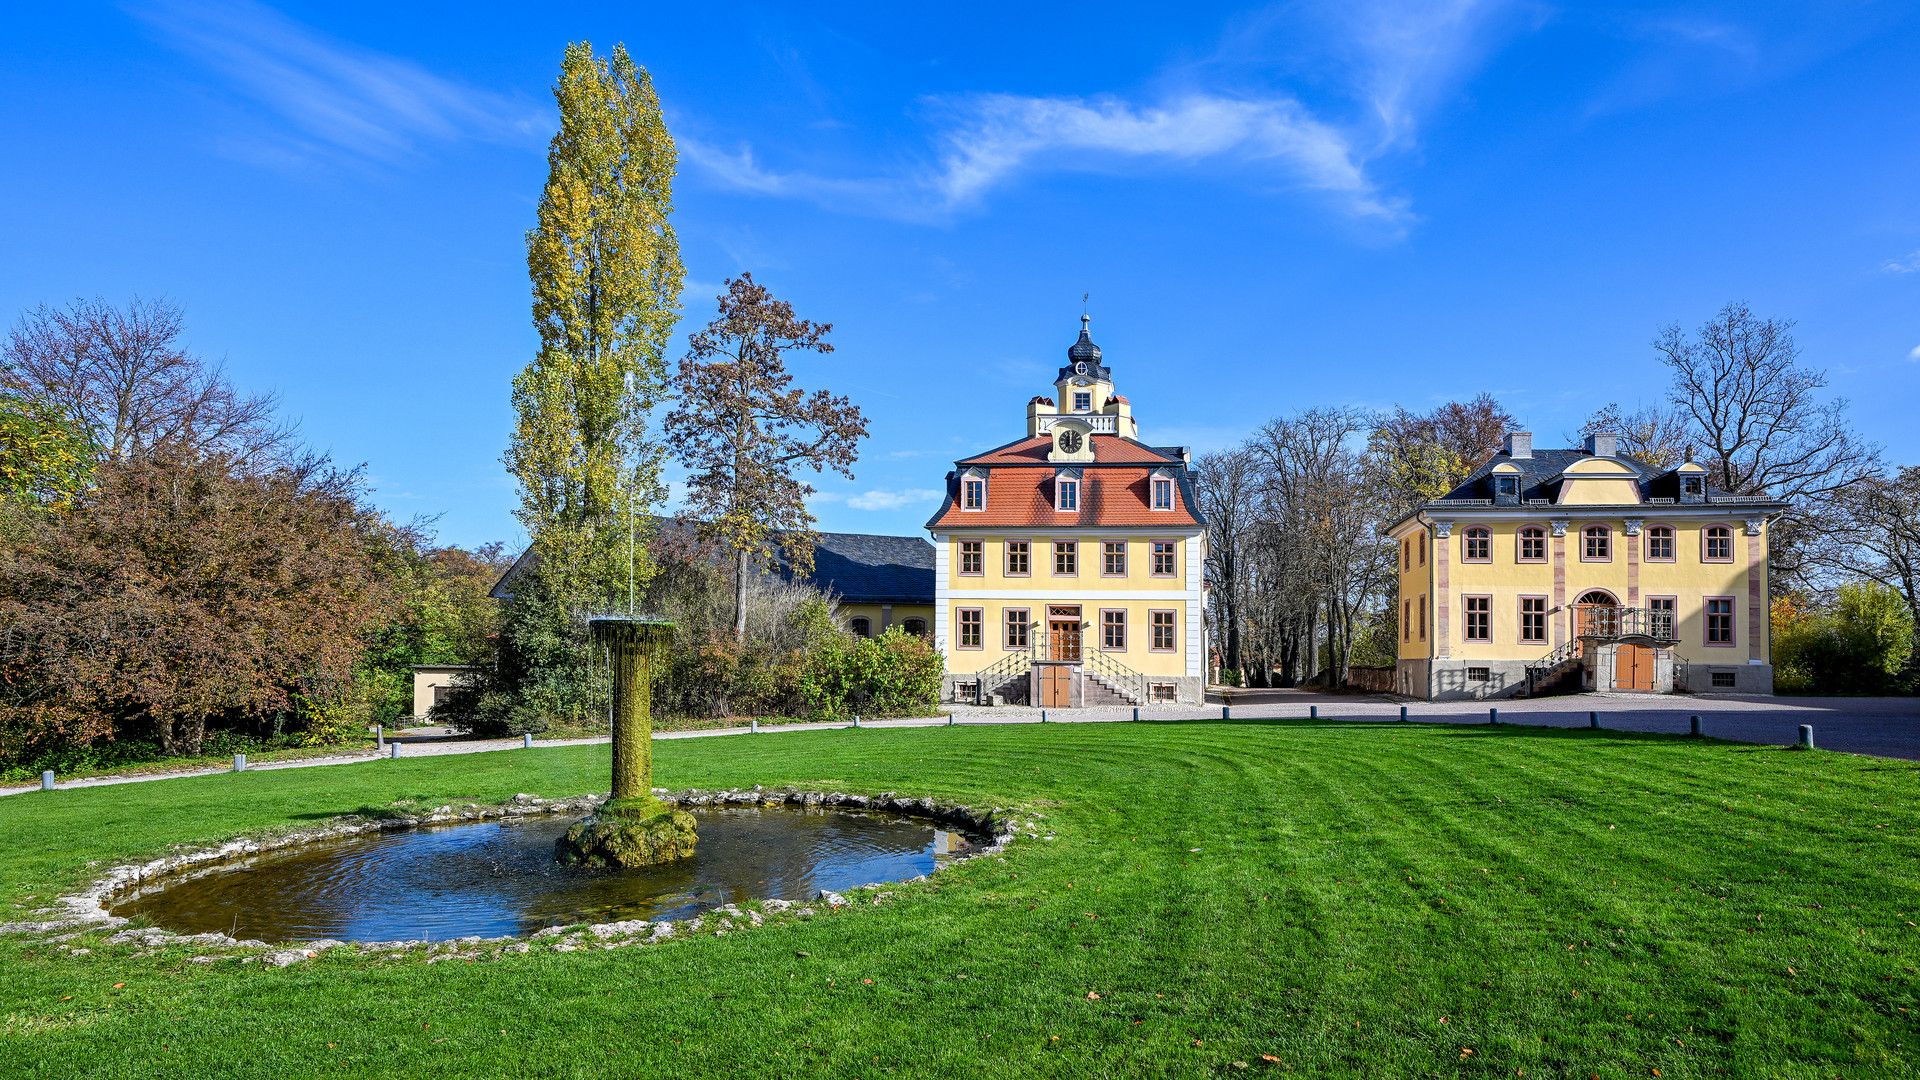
1137,593
880,617
1493,591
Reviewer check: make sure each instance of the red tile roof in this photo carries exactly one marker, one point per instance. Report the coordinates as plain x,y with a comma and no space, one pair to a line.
1023,498
1107,450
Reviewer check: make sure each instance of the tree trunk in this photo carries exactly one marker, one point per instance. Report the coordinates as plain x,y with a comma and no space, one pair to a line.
740,596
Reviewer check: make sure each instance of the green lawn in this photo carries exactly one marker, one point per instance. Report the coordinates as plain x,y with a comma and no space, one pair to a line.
1365,900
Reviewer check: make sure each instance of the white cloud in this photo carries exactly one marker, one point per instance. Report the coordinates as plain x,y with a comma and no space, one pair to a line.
881,499
991,139
1390,60
1908,265
1914,353
338,96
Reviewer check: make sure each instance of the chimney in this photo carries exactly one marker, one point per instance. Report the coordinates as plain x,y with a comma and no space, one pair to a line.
1520,444
1603,444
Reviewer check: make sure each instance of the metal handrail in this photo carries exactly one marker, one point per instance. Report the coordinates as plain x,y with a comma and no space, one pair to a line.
1613,621
997,674
1124,679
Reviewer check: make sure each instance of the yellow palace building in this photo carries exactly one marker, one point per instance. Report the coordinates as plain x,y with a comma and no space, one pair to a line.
1068,563
1583,569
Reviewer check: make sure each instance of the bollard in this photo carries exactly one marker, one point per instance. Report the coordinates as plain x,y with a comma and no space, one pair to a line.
1136,714
1226,712
1806,736
1696,726
46,780
753,727
1493,716
1403,713
526,740
856,721
1043,716
1313,712
1593,719
393,750
379,736
949,719
239,763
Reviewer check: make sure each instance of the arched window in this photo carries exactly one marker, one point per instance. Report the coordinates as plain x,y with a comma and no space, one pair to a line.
1596,544
861,625
1660,544
916,627
1479,545
1533,544
1719,544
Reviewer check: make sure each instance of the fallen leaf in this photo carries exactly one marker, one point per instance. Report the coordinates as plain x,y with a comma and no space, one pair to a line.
69,997
1091,996
1268,1057
117,986
1443,1019
1196,1042
869,982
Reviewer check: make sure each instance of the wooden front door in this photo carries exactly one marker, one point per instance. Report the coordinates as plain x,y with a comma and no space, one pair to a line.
1633,668
1063,633
1056,686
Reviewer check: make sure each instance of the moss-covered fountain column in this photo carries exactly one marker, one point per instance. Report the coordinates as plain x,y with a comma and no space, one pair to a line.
633,828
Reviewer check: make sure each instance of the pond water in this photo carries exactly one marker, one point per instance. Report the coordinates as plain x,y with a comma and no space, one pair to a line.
489,879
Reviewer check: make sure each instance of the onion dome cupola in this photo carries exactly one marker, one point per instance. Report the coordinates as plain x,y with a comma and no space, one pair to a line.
1083,357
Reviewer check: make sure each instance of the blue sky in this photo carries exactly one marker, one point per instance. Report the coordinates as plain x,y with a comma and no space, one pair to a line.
1273,207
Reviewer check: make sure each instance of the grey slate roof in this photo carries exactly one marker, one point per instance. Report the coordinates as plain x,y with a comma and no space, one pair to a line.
868,569
1539,477
859,567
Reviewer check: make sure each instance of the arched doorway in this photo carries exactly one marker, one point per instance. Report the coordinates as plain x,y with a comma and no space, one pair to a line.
1596,614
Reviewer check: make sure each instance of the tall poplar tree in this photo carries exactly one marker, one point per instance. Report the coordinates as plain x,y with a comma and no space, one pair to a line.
606,274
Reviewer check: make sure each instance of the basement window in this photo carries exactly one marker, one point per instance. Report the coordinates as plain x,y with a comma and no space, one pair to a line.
1479,674
1723,680
1161,692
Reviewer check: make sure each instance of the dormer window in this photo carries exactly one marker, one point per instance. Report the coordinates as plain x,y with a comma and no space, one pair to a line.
975,495
1162,493
1082,400
1067,495
1693,488
1506,488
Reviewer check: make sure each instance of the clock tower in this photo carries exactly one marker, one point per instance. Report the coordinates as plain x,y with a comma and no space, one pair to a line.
1086,404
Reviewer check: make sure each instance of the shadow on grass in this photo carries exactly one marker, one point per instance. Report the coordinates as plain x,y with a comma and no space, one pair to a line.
1469,729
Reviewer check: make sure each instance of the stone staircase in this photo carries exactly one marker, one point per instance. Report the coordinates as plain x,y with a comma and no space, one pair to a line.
1099,690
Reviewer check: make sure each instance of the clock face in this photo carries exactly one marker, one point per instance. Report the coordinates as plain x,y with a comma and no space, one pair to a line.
1069,441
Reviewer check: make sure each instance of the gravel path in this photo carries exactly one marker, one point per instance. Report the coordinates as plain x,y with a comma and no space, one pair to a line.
1886,727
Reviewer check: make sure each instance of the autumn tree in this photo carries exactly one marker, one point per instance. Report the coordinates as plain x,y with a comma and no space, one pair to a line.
606,273
123,378
742,430
1420,456
45,458
182,589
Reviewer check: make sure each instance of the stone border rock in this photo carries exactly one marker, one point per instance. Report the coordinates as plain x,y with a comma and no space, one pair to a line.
87,911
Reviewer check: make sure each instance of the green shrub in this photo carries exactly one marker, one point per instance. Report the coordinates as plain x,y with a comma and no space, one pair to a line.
894,674
1859,644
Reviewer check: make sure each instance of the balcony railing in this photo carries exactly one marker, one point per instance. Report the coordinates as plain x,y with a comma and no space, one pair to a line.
1611,622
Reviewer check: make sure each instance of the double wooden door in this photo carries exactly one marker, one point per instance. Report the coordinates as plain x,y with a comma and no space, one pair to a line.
1633,667
1056,686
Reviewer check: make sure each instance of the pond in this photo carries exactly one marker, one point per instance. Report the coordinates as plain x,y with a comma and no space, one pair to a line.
490,880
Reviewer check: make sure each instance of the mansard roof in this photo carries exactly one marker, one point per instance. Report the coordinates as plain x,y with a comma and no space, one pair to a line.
1543,473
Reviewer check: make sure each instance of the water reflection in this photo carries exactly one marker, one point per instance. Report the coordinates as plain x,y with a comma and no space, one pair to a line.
487,879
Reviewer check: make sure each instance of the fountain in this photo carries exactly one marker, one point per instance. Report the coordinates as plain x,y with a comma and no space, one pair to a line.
633,828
